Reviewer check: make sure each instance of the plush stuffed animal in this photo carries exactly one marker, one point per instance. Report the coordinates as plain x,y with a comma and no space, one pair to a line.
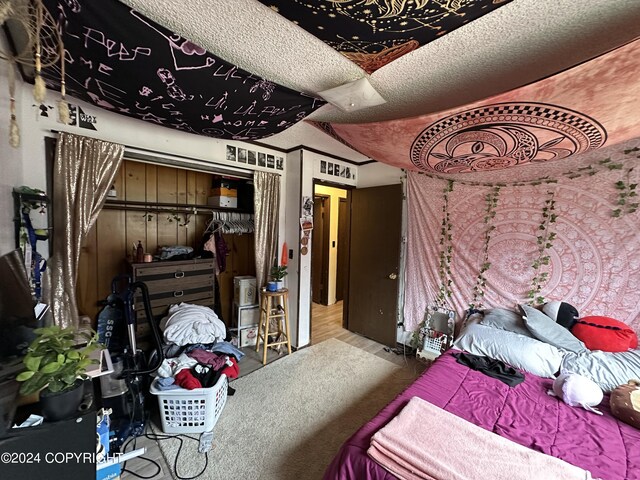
625,403
577,391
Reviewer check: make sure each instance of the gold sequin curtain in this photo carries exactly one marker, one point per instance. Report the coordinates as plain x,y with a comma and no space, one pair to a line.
84,170
267,207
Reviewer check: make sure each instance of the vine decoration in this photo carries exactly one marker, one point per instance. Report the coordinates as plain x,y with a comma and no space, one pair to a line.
491,200
446,249
544,240
626,202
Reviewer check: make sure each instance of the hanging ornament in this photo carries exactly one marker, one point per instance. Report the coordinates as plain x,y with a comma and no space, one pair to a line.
5,10
14,131
39,87
63,106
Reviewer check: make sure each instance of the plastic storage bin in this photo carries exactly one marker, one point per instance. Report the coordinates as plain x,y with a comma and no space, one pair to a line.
191,411
244,290
245,316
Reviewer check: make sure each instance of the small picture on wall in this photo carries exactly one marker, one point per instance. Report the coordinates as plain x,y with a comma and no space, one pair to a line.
347,173
251,157
330,169
336,170
343,172
270,161
262,159
279,163
323,167
231,153
242,155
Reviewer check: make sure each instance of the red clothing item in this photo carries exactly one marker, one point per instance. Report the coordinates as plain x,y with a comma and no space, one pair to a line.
185,379
233,371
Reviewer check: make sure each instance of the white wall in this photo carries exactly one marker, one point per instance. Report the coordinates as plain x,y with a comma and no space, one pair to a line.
10,164
376,174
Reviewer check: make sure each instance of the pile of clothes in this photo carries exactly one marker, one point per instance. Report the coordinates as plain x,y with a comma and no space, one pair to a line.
196,353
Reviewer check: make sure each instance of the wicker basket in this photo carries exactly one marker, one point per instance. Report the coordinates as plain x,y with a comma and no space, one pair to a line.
191,411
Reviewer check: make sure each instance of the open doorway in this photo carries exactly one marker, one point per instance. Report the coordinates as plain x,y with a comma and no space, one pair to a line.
329,260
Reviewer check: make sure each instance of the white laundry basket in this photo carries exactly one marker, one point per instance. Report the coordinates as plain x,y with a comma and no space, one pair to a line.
191,411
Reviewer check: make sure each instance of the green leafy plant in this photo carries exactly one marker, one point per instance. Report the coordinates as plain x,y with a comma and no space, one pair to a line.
544,240
627,195
491,200
446,249
278,272
53,361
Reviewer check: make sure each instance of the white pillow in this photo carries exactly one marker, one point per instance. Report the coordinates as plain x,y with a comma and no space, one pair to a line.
522,352
577,391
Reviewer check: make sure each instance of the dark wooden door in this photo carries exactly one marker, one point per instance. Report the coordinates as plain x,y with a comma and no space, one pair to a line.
343,254
374,257
320,249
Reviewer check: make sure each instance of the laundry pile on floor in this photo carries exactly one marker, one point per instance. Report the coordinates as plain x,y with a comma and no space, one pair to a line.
196,354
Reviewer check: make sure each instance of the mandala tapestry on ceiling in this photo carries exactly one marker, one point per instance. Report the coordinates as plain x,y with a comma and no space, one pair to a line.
373,33
572,112
118,59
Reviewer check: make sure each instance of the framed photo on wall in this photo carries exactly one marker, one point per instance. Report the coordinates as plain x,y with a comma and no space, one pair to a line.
242,155
262,159
231,153
270,161
323,166
251,157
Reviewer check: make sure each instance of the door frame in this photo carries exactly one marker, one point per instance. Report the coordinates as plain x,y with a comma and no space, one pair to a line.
323,294
345,301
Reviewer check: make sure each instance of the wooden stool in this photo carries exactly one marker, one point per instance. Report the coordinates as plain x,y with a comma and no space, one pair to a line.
273,305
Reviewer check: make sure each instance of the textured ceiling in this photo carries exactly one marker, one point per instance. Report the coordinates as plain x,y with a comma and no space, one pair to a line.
516,44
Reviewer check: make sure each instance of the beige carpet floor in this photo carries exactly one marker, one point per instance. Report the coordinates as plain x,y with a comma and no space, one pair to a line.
288,419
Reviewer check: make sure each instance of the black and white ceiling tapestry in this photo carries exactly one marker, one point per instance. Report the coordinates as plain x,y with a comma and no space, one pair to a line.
373,33
122,61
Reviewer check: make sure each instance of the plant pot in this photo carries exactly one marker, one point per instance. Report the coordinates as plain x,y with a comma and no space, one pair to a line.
271,287
63,405
279,285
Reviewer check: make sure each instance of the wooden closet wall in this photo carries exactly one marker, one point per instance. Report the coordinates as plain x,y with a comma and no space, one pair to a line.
111,239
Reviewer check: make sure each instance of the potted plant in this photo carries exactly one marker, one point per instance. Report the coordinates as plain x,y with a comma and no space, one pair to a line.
56,368
278,272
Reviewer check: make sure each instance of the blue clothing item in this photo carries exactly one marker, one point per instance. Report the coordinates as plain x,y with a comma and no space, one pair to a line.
228,348
166,383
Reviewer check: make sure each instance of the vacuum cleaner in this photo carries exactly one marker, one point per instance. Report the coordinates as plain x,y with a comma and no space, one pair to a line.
125,390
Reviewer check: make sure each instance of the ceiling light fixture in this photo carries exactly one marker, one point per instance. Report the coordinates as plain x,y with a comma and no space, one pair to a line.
353,96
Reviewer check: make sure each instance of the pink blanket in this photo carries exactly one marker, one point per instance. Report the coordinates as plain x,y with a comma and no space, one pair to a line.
425,442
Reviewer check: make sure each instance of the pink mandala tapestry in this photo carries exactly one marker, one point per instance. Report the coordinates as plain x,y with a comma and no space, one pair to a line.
573,112
594,261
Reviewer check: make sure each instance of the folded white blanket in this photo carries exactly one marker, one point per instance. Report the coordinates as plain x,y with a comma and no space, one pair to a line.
188,324
426,442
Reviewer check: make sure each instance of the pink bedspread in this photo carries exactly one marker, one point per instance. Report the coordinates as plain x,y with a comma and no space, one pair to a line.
525,414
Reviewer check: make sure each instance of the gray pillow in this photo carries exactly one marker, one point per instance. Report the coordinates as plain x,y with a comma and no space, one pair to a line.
522,352
505,320
545,329
608,370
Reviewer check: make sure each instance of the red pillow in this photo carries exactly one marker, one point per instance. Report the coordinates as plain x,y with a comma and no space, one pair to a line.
606,334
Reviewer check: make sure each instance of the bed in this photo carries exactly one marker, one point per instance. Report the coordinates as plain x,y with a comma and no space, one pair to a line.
525,414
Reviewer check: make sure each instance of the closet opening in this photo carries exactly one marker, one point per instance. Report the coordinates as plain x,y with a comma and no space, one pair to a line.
179,212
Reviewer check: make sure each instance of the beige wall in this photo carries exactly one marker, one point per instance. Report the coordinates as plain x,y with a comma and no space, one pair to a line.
336,194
